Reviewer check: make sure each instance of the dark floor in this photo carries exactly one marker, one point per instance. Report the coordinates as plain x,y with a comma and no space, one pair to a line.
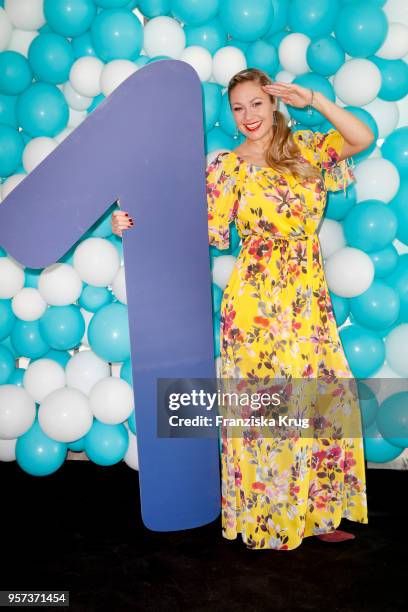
80,530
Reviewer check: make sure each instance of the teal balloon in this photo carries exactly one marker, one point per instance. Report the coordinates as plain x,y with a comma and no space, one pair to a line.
7,343
316,82
370,226
103,227
361,28
369,120
11,150
394,78
246,19
111,3
132,422
210,35
93,298
364,350
217,294
8,114
216,138
280,17
7,319
398,279
392,419
314,18
69,17
31,277
212,98
15,73
262,55
27,340
126,372
61,357
368,404
341,308
377,307
276,38
154,8
395,149
7,364
325,56
117,34
239,44
17,378
42,110
96,101
82,46
226,118
78,446
51,57
399,206
384,260
216,331
106,444
62,327
339,202
2,252
141,61
37,454
108,333
376,448
194,12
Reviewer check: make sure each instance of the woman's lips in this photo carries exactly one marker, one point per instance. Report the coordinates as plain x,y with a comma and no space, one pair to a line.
252,127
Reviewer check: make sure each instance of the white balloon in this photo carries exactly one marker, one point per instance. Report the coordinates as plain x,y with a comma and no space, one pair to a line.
84,370
200,59
17,411
131,457
36,150
5,30
65,415
114,73
21,40
385,114
25,14
395,45
396,10
222,269
76,118
403,112
60,284
227,61
389,383
164,36
376,179
119,285
357,82
28,304
331,237
284,76
87,318
8,450
396,349
111,400
12,277
218,367
97,261
85,76
349,272
74,99
63,134
292,53
10,183
42,377
375,153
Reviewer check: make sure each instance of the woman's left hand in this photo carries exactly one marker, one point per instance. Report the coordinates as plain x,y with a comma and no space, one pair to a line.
290,93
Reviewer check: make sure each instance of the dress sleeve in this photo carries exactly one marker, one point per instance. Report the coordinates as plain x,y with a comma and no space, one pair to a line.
223,197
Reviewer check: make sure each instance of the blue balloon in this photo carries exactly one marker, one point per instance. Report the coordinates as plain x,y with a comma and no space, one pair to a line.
398,279
7,343
11,150
7,364
106,444
15,73
276,38
377,307
394,78
368,404
8,114
314,18
61,357
262,55
246,19
126,372
111,3
218,139
239,44
210,35
339,202
212,97
17,378
376,448
395,149
7,319
42,110
132,422
370,226
217,294
93,298
341,308
31,277
82,45
27,340
361,28
384,260
2,252
392,419
37,454
316,82
325,56
62,327
108,333
399,206
78,446
193,12
280,17
154,8
369,120
96,101
69,17
103,226
51,57
117,34
364,350
226,117
216,324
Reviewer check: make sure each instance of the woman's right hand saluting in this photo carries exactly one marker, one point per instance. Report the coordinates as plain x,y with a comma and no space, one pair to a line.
120,222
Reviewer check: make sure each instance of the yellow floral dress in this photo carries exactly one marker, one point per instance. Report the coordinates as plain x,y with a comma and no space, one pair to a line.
277,322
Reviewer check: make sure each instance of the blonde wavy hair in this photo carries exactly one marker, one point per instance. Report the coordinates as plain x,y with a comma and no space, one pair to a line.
282,153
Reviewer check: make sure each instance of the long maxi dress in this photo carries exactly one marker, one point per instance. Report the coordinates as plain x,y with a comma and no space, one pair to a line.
277,321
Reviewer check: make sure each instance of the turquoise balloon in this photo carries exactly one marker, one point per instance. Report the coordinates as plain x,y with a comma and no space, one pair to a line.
246,19
27,340
31,277
17,378
261,54
376,448
8,114
103,227
276,38
194,12
384,260
398,279
2,252
154,8
62,327
126,372
369,120
399,206
132,422
106,444
394,78
7,364
78,446
226,118
240,44
93,298
111,3
361,28
216,324
117,34
7,319
316,82
96,101
15,73
325,56
210,35
51,57
234,246
217,294
108,333
280,17
364,350
69,17
395,149
61,357
377,307
368,404
158,58
341,308
370,226
392,419
211,104
37,454
218,139
11,150
314,18
7,343
339,203
42,110
82,45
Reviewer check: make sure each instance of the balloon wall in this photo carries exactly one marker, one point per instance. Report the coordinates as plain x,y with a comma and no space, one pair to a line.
65,376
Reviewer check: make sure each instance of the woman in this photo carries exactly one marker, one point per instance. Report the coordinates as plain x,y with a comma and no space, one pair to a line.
276,316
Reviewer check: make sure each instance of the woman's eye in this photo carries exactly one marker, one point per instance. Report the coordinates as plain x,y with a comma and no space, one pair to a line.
257,103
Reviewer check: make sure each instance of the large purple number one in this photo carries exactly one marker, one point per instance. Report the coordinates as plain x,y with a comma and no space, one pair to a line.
145,145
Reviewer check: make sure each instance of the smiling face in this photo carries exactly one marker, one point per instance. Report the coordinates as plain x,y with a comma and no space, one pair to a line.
253,110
